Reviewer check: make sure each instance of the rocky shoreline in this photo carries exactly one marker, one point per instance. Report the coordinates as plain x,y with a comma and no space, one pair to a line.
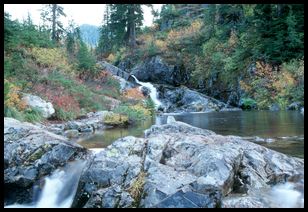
175,165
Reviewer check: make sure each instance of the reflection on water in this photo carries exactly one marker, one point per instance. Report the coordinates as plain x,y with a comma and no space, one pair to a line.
286,128
106,137
249,123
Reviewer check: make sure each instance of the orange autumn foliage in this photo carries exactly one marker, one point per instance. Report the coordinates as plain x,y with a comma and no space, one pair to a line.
133,93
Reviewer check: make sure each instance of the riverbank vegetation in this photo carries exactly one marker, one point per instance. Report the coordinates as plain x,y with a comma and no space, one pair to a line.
61,70
231,52
251,56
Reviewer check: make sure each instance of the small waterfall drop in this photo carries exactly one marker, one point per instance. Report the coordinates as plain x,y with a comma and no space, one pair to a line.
153,93
59,188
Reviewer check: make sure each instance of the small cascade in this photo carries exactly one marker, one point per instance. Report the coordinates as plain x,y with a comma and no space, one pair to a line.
153,93
59,189
286,195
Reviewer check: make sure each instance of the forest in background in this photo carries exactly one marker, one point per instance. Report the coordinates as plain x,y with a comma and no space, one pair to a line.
245,55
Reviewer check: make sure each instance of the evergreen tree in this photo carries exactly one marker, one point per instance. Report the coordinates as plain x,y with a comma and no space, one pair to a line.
105,42
51,14
86,61
72,39
121,21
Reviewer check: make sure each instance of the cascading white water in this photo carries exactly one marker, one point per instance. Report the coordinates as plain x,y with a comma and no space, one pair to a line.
59,188
153,93
285,196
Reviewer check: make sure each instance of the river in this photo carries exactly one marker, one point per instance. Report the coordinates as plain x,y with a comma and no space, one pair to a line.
282,131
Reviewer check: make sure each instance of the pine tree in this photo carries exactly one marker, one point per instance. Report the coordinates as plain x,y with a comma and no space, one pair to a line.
86,60
72,39
105,42
121,21
51,14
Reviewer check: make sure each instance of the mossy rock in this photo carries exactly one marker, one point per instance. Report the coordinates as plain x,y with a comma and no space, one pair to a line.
36,155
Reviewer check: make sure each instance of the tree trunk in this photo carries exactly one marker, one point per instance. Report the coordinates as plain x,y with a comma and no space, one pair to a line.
54,9
131,27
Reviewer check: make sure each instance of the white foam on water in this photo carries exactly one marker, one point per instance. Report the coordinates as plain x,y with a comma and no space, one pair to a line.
285,196
59,188
153,91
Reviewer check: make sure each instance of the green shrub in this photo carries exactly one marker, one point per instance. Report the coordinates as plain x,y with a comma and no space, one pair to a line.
33,115
149,104
135,113
13,113
248,103
63,115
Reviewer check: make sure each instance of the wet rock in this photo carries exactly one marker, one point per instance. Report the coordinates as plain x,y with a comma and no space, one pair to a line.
145,91
155,70
182,99
184,166
274,107
92,122
175,165
113,69
71,133
294,106
30,153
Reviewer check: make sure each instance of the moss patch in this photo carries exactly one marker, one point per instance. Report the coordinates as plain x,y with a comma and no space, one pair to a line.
136,189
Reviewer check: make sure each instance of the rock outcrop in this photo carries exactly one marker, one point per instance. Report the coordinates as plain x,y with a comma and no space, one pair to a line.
175,165
113,70
155,70
178,165
71,129
31,153
182,99
36,102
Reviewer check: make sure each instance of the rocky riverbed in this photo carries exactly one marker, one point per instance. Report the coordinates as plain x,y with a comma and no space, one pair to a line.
175,165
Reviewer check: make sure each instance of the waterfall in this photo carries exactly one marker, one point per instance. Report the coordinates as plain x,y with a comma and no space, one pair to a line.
153,93
59,189
285,196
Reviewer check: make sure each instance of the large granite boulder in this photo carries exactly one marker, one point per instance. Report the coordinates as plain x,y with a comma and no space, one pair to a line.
36,102
177,165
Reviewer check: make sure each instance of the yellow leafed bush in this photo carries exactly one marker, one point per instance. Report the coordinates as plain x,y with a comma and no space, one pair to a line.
111,58
141,109
133,93
52,58
116,119
175,37
13,98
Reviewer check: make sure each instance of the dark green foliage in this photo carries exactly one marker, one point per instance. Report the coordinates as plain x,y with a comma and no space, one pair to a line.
150,105
120,24
24,34
33,115
248,103
13,113
86,61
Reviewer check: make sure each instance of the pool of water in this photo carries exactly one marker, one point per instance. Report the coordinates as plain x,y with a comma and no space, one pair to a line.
285,129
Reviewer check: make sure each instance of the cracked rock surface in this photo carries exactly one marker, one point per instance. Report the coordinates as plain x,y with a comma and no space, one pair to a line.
185,166
175,165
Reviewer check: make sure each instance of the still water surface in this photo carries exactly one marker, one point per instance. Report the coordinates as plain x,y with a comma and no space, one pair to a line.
284,129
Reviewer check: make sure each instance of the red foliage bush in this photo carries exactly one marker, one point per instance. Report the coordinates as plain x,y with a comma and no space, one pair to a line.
58,97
